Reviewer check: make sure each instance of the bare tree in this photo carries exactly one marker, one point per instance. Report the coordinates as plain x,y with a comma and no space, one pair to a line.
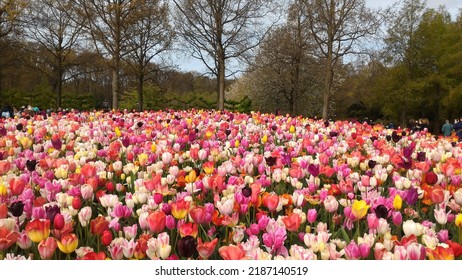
107,22
338,26
10,13
150,36
284,74
222,30
53,34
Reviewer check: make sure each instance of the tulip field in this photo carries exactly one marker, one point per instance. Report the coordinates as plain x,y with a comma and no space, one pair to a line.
213,185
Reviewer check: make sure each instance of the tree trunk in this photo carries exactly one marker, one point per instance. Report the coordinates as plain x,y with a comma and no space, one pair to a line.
329,65
140,92
221,84
115,88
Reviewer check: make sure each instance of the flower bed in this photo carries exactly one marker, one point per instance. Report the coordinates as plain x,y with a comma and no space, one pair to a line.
221,185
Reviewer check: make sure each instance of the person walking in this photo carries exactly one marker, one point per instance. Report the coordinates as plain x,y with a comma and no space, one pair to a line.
447,129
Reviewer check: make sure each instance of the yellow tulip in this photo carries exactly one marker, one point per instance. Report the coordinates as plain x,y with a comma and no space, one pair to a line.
3,190
397,202
359,209
68,243
458,221
117,132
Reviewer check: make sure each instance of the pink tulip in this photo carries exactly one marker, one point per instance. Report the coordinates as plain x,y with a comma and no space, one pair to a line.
47,247
312,215
352,251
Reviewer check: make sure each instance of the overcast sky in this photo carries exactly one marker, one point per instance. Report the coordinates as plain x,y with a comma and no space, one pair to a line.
452,6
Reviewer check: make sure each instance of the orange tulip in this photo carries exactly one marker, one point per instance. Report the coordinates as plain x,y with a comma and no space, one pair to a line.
292,222
5,166
232,252
38,229
206,249
68,243
271,201
7,238
440,253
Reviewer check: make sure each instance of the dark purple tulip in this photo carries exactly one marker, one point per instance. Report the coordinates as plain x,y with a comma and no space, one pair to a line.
247,191
270,161
187,246
313,169
407,151
388,137
371,164
57,144
421,156
19,126
2,131
395,137
17,208
333,134
31,164
125,141
51,211
381,211
411,196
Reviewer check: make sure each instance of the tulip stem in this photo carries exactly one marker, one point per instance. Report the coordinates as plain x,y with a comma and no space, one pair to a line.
357,230
460,235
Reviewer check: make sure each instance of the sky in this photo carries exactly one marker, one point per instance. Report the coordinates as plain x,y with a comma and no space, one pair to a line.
453,6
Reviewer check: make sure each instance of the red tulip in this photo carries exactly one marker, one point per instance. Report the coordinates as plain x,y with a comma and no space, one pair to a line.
88,170
437,195
98,225
17,186
106,238
94,256
431,178
58,221
3,211
76,203
156,221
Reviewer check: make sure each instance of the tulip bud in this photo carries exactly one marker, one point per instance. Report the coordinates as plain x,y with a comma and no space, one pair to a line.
76,203
106,238
58,221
